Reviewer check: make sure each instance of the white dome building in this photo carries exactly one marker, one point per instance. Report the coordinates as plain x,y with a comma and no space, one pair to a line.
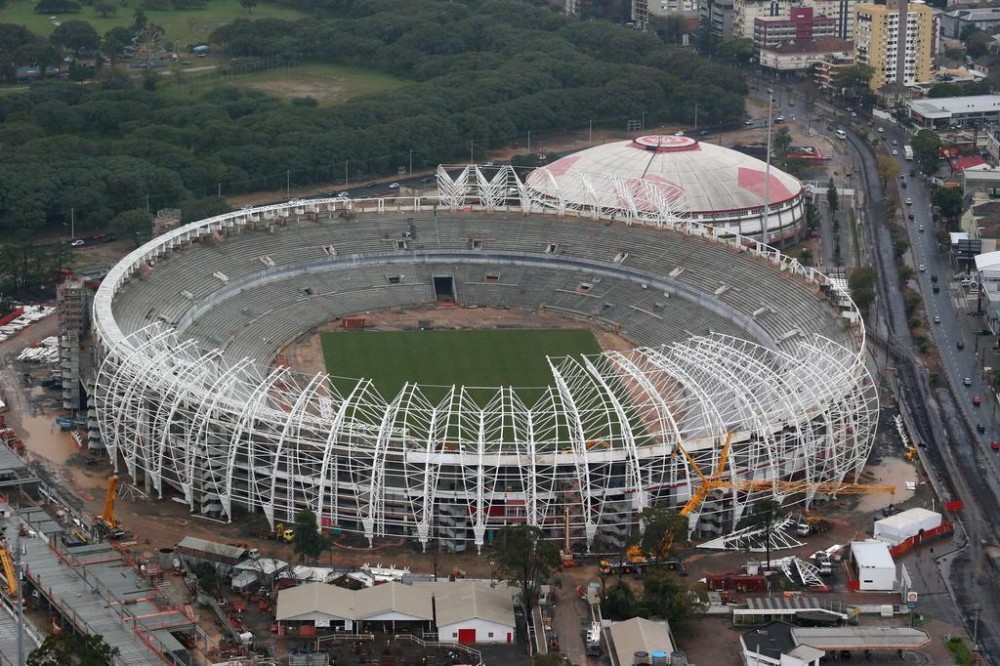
673,179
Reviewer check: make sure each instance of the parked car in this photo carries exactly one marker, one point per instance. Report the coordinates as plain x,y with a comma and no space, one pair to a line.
393,186
79,242
976,400
960,344
967,381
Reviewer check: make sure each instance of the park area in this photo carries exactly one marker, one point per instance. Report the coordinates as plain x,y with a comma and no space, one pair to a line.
185,28
495,357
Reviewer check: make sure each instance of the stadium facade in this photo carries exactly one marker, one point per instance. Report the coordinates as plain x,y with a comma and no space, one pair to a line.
190,401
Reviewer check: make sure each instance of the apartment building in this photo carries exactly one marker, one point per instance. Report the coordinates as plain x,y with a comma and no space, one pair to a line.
734,19
897,41
801,25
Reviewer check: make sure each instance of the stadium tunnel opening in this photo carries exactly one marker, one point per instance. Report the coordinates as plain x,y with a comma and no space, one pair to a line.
444,289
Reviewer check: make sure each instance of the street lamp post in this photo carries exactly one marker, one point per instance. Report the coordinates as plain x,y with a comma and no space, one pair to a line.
767,169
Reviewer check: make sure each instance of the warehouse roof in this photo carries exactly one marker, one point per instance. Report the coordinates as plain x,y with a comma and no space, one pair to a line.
640,635
874,554
860,638
219,550
393,598
315,598
945,107
459,601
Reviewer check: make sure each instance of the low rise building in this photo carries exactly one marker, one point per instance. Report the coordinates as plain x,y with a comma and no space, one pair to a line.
473,612
986,19
790,57
905,524
873,565
942,112
640,636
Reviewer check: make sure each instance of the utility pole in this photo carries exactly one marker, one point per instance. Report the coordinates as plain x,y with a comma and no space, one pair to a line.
19,600
767,170
696,115
529,141
72,223
590,135
288,183
411,161
472,151
347,174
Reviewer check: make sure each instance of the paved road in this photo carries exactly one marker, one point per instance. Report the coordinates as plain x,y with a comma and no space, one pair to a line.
945,417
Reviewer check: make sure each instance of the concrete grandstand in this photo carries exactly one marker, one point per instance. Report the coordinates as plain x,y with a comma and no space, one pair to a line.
734,341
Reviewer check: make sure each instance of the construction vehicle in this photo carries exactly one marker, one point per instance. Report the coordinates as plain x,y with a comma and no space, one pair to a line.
282,533
593,639
567,559
108,521
810,525
10,576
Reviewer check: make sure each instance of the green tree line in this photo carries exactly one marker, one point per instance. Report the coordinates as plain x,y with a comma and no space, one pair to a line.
482,73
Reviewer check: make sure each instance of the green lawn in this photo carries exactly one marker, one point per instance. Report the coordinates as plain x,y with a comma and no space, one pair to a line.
507,357
326,83
184,28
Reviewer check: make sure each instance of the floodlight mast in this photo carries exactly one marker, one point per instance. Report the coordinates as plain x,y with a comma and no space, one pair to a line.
767,170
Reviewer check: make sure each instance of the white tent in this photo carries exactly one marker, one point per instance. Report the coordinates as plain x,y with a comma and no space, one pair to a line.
900,527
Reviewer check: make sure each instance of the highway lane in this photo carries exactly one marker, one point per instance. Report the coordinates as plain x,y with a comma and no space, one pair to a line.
964,453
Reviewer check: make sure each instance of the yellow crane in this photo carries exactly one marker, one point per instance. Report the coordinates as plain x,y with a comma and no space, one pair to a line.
108,519
10,576
710,483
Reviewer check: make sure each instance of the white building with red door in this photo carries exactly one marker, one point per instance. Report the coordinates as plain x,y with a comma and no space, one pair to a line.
473,612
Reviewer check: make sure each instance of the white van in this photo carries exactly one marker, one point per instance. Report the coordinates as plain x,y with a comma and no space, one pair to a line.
842,135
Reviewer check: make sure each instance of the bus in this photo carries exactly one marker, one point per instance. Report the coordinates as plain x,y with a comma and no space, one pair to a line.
908,151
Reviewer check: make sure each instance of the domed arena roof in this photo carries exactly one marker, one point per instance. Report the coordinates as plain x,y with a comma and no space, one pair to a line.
649,171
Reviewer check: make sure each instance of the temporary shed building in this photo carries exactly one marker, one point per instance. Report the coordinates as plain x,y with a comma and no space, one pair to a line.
471,612
900,527
874,566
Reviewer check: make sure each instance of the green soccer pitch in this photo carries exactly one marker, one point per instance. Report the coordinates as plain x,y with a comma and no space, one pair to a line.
473,358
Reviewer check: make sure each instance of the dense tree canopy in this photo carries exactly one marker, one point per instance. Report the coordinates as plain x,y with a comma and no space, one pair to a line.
480,71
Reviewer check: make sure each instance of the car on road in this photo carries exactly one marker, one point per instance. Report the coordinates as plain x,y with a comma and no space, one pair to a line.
895,143
910,217
980,428
909,201
903,184
960,344
393,186
920,228
936,289
912,173
895,152
703,133
79,242
967,381
779,119
679,133
995,445
933,277
881,130
749,122
902,177
921,268
976,400
344,195
937,319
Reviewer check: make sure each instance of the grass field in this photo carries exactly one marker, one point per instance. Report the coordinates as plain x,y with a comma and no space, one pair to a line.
327,84
507,357
184,28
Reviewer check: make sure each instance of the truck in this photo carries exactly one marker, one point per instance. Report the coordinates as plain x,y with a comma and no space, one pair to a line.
908,152
810,525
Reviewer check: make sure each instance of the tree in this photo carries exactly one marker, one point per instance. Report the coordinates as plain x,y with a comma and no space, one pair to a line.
57,7
69,648
525,560
949,201
832,200
926,146
663,596
662,527
135,223
105,8
861,282
248,5
780,143
619,601
764,516
76,36
309,541
887,168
